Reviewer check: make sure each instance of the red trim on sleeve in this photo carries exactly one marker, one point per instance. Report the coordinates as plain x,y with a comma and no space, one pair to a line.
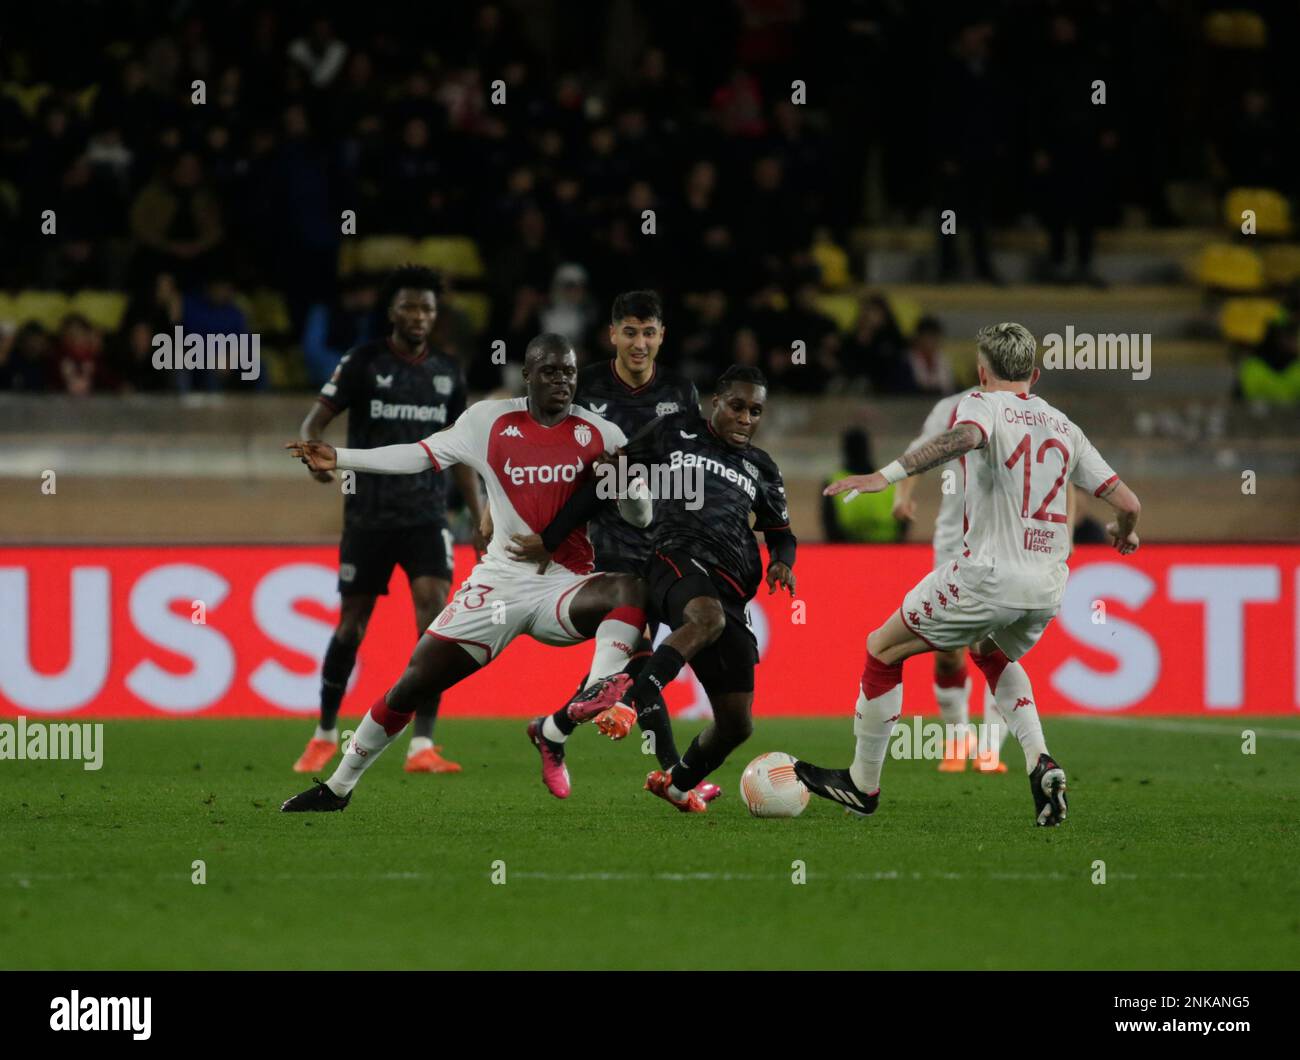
432,459
1097,491
985,433
770,529
328,404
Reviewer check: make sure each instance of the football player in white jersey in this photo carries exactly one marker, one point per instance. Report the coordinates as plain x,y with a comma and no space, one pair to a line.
951,679
533,454
1017,454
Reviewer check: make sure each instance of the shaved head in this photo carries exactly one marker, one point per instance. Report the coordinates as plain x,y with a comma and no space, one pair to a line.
544,345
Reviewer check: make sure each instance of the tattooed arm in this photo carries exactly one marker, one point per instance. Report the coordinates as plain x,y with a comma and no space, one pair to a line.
930,453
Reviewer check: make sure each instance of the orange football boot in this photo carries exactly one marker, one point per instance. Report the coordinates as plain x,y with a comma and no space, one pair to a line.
316,757
430,761
658,782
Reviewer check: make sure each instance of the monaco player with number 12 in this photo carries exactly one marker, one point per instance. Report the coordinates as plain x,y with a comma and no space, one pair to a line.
1000,593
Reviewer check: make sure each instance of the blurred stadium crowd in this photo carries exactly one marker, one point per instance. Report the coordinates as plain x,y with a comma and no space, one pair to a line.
226,216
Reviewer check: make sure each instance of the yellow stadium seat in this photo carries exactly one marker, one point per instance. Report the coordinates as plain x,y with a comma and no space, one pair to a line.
382,253
47,308
1246,319
1272,211
476,306
1230,268
1281,263
104,309
1236,29
349,256
269,313
456,256
833,263
907,313
28,96
841,308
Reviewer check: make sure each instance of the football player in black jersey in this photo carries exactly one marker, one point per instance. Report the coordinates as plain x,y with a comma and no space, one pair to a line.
631,389
703,571
395,390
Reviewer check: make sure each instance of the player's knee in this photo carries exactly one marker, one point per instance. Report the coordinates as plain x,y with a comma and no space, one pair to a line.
351,631
707,620
949,663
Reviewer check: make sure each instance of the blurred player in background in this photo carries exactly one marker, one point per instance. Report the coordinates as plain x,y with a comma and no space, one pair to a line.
534,453
1000,593
395,390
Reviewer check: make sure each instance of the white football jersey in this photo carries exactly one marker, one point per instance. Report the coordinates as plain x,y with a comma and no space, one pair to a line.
1016,536
529,470
948,523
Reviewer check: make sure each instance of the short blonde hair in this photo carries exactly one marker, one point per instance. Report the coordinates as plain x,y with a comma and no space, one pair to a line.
1008,349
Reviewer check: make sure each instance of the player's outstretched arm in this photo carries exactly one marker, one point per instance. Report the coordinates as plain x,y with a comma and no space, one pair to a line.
386,459
1123,531
932,452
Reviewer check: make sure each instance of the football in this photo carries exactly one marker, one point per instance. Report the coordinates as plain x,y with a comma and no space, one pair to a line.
771,788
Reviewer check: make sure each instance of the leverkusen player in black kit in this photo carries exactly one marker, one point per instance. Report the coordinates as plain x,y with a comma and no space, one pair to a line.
703,570
395,390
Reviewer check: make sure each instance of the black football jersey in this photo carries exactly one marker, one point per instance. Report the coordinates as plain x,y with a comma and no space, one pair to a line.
736,482
602,391
393,400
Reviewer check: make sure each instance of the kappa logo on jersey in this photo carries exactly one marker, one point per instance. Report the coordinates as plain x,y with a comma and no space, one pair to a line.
667,408
599,410
953,589
582,434
380,410
929,611
1023,701
533,474
943,600
442,384
384,382
511,432
913,617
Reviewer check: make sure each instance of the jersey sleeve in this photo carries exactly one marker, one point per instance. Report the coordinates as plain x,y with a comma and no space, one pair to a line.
976,409
344,387
771,511
647,443
1090,471
457,443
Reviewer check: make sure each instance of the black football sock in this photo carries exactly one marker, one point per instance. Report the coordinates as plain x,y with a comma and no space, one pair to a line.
665,664
424,719
561,717
340,658
698,762
653,717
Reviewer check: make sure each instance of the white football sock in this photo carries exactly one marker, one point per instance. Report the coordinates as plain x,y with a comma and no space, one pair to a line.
418,744
953,703
1015,702
368,742
552,731
615,642
873,721
326,734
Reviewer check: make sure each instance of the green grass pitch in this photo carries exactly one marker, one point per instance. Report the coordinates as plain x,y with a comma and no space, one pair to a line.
1200,844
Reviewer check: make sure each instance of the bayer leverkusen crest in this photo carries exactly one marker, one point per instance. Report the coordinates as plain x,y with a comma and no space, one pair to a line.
750,469
582,433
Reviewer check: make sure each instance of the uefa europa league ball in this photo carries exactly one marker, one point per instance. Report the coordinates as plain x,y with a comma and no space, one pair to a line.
770,787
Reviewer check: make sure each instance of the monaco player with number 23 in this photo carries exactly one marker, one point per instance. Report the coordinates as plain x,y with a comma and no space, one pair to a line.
998,596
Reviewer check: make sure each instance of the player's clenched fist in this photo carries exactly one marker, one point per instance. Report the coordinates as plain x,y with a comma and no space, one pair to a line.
319,456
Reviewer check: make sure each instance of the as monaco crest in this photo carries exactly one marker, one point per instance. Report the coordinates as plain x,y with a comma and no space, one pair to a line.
582,434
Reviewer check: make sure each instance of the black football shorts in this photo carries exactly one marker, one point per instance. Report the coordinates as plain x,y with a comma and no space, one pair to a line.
367,557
